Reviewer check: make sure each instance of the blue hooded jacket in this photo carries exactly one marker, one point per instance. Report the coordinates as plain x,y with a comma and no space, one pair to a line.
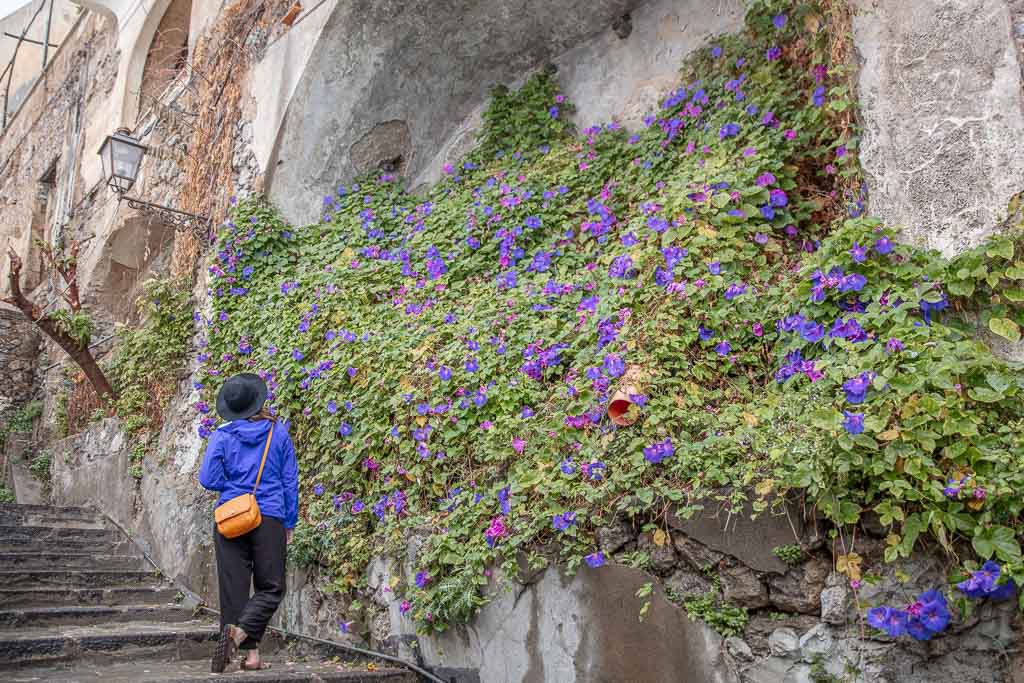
232,461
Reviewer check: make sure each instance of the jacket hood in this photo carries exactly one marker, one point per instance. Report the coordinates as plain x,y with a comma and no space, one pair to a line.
249,433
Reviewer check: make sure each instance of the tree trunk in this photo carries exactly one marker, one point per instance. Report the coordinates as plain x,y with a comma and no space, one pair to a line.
81,355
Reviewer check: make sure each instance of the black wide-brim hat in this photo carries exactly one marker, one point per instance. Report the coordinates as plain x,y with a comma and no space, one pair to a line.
241,397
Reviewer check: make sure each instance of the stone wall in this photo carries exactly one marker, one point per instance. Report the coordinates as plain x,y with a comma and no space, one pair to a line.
19,346
943,110
408,80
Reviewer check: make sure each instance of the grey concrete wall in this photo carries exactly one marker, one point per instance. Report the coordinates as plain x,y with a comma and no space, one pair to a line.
385,80
941,101
427,63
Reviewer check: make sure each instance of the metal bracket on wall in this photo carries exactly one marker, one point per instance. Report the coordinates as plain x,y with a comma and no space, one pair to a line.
180,220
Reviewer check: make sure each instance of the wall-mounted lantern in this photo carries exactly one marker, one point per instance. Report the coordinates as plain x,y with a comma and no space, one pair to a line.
122,155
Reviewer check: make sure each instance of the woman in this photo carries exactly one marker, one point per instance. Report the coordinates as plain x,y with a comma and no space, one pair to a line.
230,466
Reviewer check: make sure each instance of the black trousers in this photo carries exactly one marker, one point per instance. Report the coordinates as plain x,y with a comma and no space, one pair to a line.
255,559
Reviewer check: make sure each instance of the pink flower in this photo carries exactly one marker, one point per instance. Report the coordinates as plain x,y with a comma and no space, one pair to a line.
758,330
486,424
518,445
790,134
495,530
405,606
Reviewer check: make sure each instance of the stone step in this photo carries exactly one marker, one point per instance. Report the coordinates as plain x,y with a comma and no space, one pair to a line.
126,641
58,536
12,514
78,578
56,561
25,544
197,671
23,598
35,617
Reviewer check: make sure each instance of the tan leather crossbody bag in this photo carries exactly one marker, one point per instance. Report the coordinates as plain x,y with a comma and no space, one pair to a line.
241,514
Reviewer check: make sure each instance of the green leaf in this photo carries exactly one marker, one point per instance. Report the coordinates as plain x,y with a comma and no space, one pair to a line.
1002,248
960,288
1005,328
985,395
1016,294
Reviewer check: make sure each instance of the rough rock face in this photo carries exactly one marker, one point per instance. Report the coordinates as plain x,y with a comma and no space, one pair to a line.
941,101
402,84
582,628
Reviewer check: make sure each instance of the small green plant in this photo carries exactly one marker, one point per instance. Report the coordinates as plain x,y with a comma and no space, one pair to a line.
818,673
638,559
21,421
6,495
76,325
525,119
60,414
40,467
135,471
727,620
790,554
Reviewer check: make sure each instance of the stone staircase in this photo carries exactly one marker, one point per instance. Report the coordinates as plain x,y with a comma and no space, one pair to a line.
79,602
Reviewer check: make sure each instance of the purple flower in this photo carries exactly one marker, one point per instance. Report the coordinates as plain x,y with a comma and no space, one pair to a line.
778,198
854,422
658,451
563,521
859,253
620,267
878,617
715,267
857,388
811,331
614,365
735,289
595,560
345,429
894,345
332,407
318,490
723,348
819,96
767,212
704,333
779,20
553,112
445,373
773,53
883,245
716,52
729,130
422,579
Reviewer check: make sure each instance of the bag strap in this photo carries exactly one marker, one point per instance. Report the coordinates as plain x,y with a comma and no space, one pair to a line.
263,462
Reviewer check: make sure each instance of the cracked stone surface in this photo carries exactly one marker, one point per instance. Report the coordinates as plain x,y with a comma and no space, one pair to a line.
941,102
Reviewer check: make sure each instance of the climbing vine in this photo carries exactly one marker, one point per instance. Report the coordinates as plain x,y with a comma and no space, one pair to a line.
446,362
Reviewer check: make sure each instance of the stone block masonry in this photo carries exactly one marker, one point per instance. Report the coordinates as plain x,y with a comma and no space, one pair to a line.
19,345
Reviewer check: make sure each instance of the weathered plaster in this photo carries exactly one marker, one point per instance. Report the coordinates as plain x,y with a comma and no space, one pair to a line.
941,101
